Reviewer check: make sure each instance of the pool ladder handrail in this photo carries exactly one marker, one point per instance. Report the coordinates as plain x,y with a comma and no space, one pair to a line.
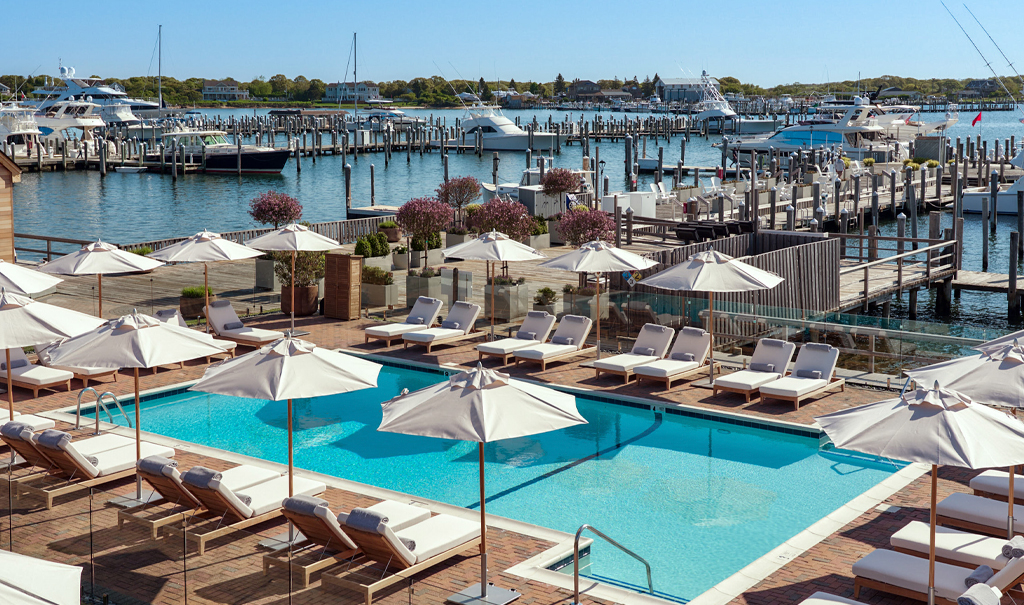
99,405
576,559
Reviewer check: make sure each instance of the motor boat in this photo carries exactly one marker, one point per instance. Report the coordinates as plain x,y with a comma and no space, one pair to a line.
897,120
501,134
60,118
712,105
1006,198
222,155
378,119
100,92
529,178
18,128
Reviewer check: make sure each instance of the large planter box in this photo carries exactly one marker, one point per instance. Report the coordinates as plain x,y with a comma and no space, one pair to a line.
510,302
539,241
394,234
266,279
454,239
400,261
381,262
551,309
585,305
380,296
192,308
416,287
415,259
465,285
307,300
554,235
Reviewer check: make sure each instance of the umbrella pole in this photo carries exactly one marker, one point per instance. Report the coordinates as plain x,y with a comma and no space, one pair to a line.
491,272
931,532
1009,513
291,473
711,331
598,320
206,293
138,436
99,281
293,294
10,389
483,527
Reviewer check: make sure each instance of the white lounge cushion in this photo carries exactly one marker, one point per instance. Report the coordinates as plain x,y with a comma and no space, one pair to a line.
773,351
38,423
545,350
269,495
746,379
109,462
433,334
624,362
505,346
975,509
793,386
396,329
399,515
88,372
665,368
824,598
38,375
438,534
910,572
952,544
654,337
998,482
252,334
243,476
222,315
422,316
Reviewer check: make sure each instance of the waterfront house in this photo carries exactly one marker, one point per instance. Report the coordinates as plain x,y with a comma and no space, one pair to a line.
223,90
983,87
352,91
579,88
4,90
686,90
9,175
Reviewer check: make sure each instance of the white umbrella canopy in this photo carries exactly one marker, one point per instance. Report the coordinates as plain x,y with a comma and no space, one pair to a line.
492,247
27,580
711,271
995,376
481,405
289,368
997,343
599,257
99,258
22,280
25,322
936,426
293,238
204,247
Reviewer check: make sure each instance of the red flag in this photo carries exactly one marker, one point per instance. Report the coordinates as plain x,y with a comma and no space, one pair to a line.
976,119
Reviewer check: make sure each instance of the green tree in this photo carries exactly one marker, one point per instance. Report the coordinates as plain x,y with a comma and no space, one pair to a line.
512,85
279,85
259,88
299,87
559,84
534,88
647,88
316,90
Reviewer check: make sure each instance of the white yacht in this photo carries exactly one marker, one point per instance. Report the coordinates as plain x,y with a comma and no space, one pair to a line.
897,120
100,92
502,134
712,105
18,128
377,119
59,118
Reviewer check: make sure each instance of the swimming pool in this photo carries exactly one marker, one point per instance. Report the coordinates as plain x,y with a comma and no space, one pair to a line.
700,499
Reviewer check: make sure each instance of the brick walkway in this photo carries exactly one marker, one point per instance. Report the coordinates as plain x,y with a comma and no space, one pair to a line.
132,568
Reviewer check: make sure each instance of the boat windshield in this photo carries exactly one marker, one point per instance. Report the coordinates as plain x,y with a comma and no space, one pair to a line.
214,139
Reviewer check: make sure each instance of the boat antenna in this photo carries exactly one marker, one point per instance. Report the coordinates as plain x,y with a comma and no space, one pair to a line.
448,82
1008,62
987,64
160,68
355,79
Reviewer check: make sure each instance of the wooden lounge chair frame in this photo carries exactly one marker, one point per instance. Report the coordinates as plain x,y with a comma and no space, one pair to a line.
34,459
860,582
217,508
988,495
745,392
697,371
473,333
832,384
66,484
377,548
316,538
152,518
978,528
387,339
35,388
561,356
85,378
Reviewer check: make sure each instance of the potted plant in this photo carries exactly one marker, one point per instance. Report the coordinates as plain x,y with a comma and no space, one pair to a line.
468,213
544,300
310,268
423,218
456,236
400,257
559,181
379,287
554,235
511,298
580,225
459,193
375,251
425,282
506,216
539,236
272,208
391,230
431,248
192,301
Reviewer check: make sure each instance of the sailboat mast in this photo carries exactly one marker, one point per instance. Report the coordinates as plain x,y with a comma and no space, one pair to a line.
355,76
160,67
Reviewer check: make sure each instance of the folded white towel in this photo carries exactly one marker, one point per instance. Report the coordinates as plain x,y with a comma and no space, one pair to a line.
979,594
1014,548
979,576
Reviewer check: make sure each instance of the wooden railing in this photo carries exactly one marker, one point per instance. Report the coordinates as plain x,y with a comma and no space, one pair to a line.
939,262
49,253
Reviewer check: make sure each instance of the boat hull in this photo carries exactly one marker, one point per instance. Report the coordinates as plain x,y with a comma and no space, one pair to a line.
253,162
1007,202
521,142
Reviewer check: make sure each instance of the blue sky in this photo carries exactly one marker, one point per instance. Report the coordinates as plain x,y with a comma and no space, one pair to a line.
763,43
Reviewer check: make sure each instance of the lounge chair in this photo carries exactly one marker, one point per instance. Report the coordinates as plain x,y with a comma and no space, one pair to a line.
996,485
568,340
459,325
17,434
651,345
952,546
907,576
639,313
824,598
174,317
324,539
85,374
977,514
227,511
38,423
687,358
74,469
813,373
422,316
534,330
28,375
435,540
768,363
226,324
175,501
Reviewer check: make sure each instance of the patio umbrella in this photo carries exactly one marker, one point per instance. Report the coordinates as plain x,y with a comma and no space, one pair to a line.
493,246
1002,340
289,368
204,247
133,341
711,271
481,405
599,257
936,426
293,238
22,280
99,259
25,323
26,580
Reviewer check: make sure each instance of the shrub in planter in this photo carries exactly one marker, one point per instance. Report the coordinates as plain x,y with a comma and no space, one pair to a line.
559,181
869,162
506,216
458,193
376,276
456,236
141,250
510,297
425,217
580,225
192,301
931,164
310,268
468,213
379,287
431,248
544,300
375,251
391,231
425,282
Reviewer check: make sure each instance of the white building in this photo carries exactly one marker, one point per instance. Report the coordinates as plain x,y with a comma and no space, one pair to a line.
686,90
223,90
349,91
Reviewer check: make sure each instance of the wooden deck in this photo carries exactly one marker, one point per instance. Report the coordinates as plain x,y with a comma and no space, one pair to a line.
884,280
978,281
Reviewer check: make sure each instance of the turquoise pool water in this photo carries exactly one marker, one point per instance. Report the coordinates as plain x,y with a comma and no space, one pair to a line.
699,499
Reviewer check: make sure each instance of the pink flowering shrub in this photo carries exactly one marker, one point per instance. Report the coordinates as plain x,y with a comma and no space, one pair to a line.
273,208
559,181
506,216
459,193
580,225
422,217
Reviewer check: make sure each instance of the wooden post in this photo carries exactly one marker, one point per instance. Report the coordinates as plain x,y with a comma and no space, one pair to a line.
773,198
618,224
790,218
1012,300
348,186
994,203
901,233
373,184
1020,224
984,232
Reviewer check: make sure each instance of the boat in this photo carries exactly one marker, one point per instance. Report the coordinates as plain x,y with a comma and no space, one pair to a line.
1006,199
115,106
18,128
716,110
897,119
501,134
529,178
379,119
222,155
60,118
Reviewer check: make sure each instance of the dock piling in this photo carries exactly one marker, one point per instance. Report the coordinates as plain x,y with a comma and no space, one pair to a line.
1012,299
